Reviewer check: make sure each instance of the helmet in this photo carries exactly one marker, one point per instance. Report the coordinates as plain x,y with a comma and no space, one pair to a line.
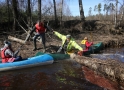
85,38
68,36
7,43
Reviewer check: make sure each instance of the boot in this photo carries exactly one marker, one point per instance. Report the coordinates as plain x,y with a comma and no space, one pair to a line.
44,50
35,48
44,47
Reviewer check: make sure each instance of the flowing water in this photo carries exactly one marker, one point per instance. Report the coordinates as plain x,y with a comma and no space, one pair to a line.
111,53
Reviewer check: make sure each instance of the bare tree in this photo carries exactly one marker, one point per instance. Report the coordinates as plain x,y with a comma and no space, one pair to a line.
61,12
81,13
116,13
56,19
90,11
122,15
39,10
99,9
104,9
116,10
7,1
15,13
29,13
111,9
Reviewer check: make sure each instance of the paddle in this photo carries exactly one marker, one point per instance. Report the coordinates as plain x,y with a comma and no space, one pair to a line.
27,37
17,51
92,47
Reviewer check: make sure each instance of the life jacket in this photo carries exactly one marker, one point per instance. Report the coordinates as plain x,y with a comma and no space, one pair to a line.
40,28
83,44
4,58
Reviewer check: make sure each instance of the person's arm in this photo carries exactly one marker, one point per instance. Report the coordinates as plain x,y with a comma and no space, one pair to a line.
9,52
59,35
17,51
77,46
80,52
47,28
32,30
88,44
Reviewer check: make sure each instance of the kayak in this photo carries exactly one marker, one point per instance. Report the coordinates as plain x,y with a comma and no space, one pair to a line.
56,56
29,62
95,48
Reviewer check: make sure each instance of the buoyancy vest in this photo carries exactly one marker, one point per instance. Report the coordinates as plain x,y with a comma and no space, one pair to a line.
40,28
4,58
83,44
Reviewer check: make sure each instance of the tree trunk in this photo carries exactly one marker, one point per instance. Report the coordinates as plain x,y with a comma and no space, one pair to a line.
15,14
56,19
121,18
8,14
61,13
29,14
116,13
81,13
111,68
39,10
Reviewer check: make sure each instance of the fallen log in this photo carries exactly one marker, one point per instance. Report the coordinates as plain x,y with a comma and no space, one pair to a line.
110,68
16,39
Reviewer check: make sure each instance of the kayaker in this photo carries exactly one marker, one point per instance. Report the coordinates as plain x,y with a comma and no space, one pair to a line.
8,55
40,29
68,44
85,44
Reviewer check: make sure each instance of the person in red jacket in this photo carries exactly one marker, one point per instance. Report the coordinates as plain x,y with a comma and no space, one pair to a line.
8,55
85,44
40,29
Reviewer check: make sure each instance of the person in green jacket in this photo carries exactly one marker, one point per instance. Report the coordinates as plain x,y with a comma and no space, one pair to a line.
68,44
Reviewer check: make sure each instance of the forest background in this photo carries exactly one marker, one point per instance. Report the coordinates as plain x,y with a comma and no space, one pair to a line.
15,12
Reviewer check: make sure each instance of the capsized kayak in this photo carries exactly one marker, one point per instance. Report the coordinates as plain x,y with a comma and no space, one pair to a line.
29,62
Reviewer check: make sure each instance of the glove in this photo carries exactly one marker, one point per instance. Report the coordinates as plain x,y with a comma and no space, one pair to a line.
80,53
52,31
91,43
49,28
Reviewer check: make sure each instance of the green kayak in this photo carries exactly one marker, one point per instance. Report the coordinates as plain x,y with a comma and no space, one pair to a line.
95,48
56,56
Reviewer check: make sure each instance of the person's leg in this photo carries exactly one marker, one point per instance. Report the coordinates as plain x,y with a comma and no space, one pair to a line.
61,50
43,41
18,58
34,41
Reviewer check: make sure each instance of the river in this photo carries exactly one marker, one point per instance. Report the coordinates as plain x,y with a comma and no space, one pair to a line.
111,53
61,75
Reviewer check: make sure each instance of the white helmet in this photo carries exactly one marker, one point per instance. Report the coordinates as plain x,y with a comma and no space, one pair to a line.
68,36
